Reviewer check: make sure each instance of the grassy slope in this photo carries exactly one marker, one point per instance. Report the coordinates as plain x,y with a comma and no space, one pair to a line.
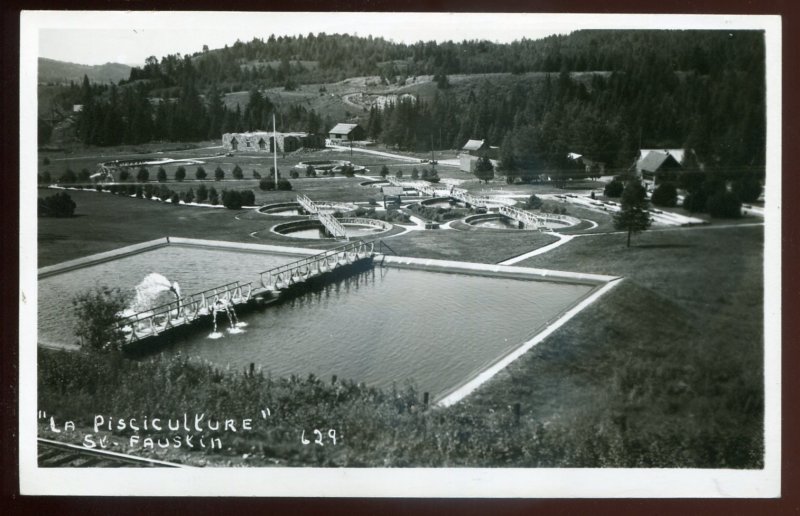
668,363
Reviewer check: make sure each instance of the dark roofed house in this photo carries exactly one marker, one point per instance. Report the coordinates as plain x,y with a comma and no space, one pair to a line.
475,147
657,161
346,133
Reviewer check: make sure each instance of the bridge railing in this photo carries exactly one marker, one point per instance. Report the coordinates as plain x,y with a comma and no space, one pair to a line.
186,309
290,273
307,204
466,197
334,227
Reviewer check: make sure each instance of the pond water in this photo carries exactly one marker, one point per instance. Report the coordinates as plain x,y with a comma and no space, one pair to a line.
195,269
353,231
497,223
381,327
284,212
502,222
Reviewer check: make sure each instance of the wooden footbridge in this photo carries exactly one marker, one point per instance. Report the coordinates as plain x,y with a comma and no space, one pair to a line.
206,304
536,220
321,211
422,187
284,276
468,199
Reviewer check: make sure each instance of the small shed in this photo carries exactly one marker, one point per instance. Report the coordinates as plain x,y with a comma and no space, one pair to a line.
391,194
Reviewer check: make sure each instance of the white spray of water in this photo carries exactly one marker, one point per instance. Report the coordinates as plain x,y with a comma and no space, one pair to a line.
152,287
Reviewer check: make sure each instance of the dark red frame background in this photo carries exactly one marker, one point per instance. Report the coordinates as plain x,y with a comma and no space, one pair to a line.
13,503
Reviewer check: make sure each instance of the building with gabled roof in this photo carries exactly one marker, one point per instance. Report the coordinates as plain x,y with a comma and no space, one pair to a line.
652,162
346,133
262,141
474,147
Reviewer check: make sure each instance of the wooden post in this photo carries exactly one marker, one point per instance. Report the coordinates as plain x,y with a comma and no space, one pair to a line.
425,398
252,368
517,408
333,379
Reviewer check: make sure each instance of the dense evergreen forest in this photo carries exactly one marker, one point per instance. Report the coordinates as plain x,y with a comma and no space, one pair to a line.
603,94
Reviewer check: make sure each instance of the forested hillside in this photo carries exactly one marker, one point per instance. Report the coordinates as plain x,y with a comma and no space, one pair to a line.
604,94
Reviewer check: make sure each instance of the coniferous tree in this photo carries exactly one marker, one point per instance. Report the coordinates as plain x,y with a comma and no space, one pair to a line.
633,216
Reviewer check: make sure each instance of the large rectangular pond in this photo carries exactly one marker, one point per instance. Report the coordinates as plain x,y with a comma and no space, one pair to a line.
384,326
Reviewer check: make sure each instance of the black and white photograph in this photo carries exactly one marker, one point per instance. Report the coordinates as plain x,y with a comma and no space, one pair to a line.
399,254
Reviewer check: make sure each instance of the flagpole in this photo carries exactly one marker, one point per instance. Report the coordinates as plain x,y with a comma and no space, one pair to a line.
275,150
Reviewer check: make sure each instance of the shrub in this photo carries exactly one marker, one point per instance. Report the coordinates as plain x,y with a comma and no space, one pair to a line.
256,175
533,203
139,192
175,198
200,173
231,199
348,171
696,201
180,174
148,191
130,189
124,175
97,312
237,172
725,205
219,174
213,196
59,205
164,193
161,175
248,198
202,194
143,175
311,171
748,188
398,174
414,173
294,174
665,195
189,197
384,171
614,188
266,184
373,202
284,184
68,177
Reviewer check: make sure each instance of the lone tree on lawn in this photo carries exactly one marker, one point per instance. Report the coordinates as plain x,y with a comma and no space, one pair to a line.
633,216
484,170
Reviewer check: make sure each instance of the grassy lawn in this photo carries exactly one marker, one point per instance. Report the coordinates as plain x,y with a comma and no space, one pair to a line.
667,366
476,245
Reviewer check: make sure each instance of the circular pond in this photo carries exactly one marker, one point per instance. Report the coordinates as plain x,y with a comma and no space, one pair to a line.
499,221
282,209
313,229
322,165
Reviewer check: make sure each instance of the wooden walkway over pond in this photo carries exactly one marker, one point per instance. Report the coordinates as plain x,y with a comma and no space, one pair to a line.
208,303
